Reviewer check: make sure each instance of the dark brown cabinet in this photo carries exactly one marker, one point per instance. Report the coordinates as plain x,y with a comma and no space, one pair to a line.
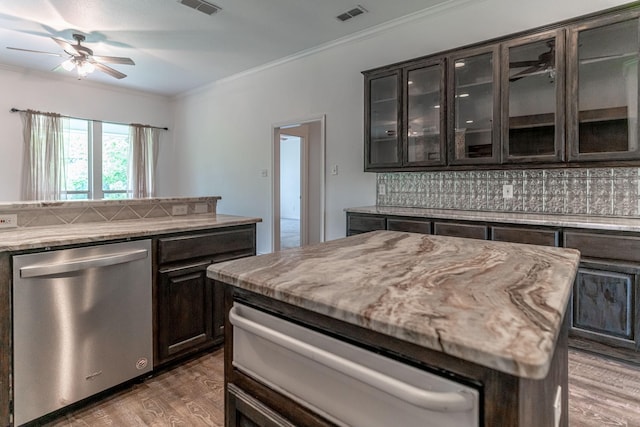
603,94
566,93
604,312
189,309
405,116
242,410
533,85
474,106
605,306
383,114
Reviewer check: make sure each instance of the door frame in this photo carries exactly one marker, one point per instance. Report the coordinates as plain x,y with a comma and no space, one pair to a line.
304,179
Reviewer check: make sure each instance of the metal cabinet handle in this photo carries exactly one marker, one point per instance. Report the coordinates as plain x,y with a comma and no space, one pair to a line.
82,263
436,401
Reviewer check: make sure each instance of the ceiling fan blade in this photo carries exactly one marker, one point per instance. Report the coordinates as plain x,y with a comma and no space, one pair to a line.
524,73
68,47
34,51
113,73
521,64
113,60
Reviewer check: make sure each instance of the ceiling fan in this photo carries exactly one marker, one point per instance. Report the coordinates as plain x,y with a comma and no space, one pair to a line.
83,59
545,63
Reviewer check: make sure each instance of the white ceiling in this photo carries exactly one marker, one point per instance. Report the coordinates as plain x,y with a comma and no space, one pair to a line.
176,48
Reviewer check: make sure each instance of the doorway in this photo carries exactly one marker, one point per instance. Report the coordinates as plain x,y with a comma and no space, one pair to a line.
298,183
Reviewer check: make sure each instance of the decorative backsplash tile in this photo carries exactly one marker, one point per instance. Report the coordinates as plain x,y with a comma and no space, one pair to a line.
38,214
594,191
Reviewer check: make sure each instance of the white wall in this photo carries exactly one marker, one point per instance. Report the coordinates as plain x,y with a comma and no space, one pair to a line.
223,132
67,96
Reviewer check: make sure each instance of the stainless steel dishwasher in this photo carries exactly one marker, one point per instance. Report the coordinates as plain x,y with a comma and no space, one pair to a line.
82,323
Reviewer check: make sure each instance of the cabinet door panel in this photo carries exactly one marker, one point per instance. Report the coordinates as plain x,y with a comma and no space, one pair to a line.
364,223
526,235
185,310
382,120
473,101
424,137
604,303
533,98
471,231
603,61
412,226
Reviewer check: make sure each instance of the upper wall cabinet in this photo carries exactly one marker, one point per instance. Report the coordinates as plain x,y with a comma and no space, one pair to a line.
404,116
565,93
533,86
603,94
474,99
382,120
424,122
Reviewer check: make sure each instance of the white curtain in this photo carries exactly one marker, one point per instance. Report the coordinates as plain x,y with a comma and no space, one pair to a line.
143,157
43,172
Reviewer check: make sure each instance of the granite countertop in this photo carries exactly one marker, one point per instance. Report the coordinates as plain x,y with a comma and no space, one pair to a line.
39,237
572,221
497,304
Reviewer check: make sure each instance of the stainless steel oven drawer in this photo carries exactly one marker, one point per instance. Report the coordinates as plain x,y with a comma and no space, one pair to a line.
346,384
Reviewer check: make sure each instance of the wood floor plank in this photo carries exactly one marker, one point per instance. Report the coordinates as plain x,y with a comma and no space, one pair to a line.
602,392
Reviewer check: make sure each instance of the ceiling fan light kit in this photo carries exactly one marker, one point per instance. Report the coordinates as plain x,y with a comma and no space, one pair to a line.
82,58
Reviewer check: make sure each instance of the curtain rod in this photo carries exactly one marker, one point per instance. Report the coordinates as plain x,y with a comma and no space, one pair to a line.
17,110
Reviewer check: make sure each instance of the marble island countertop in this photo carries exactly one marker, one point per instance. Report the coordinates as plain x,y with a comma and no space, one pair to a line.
40,237
572,221
500,305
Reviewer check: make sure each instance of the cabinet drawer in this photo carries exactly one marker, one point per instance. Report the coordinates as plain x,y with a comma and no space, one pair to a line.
410,225
526,235
363,223
236,241
592,245
471,231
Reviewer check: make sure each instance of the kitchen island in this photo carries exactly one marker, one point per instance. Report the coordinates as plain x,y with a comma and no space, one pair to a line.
489,316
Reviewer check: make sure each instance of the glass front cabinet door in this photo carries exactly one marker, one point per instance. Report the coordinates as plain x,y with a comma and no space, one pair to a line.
533,87
383,142
424,137
603,94
473,100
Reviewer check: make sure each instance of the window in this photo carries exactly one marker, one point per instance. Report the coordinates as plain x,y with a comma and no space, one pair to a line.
96,160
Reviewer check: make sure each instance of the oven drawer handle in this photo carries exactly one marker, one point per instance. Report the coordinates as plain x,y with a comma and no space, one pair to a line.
79,264
436,401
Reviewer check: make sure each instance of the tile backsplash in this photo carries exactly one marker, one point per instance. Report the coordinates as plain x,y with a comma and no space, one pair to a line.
68,212
589,191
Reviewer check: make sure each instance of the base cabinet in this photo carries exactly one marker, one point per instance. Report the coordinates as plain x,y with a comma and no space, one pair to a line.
242,410
189,309
605,307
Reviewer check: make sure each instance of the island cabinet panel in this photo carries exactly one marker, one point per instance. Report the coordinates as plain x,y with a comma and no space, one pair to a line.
526,235
470,231
506,400
410,225
188,310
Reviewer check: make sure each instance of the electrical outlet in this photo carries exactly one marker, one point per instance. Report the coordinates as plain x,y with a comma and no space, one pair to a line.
507,191
200,208
8,221
179,210
382,190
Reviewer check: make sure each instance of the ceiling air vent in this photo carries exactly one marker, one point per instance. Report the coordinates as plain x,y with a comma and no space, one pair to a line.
202,6
358,10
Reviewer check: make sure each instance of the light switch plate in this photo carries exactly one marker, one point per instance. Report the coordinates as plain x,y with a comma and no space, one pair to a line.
382,190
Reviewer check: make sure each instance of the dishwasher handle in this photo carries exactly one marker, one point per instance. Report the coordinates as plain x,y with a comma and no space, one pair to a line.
436,401
78,264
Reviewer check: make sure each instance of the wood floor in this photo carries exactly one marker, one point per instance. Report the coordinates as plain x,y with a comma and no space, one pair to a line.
602,392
